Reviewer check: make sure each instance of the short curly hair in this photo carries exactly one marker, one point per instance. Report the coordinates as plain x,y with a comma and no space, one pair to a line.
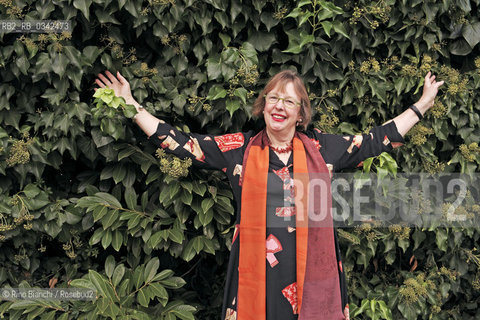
281,79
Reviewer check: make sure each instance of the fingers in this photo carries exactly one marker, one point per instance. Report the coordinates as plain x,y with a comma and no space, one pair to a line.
104,80
111,77
430,80
99,83
121,78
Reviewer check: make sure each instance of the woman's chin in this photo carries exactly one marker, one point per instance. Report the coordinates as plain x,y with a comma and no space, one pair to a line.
280,127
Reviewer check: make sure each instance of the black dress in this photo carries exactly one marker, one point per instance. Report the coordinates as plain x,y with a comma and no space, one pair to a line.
226,153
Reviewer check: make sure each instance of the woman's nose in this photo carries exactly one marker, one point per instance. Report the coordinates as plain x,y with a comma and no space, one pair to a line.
279,104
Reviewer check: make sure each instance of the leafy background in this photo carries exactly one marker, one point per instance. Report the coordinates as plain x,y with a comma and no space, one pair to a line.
80,208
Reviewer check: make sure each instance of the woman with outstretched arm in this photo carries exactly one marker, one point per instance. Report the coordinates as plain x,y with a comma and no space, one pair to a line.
281,266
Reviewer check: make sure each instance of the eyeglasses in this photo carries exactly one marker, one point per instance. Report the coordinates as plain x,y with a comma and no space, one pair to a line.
287,101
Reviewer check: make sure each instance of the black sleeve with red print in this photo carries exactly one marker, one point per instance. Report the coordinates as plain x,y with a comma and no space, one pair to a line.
348,151
206,151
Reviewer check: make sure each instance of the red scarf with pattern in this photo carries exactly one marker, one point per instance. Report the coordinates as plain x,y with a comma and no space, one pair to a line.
318,285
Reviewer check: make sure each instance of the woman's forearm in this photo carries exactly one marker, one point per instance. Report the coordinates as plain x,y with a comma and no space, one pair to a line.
145,120
408,118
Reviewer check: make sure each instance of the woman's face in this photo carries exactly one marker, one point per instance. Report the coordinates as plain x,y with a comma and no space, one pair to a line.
281,117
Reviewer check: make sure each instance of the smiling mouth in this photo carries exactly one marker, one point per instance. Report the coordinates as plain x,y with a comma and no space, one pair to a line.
278,117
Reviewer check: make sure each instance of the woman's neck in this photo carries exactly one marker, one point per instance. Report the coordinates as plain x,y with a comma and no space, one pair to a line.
280,139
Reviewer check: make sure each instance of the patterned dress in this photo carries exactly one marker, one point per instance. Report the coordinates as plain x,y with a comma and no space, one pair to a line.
226,153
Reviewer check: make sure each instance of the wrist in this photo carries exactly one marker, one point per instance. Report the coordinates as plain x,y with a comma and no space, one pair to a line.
139,108
417,112
423,106
132,102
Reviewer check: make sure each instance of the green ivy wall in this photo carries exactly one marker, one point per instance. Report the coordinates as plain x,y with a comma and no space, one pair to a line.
93,205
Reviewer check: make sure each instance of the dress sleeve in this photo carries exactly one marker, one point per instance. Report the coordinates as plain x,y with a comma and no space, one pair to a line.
206,151
349,151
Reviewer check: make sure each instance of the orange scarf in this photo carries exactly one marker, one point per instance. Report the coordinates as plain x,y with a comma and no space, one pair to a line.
318,285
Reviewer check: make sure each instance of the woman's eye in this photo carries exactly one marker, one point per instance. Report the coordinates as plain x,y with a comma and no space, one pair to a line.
273,98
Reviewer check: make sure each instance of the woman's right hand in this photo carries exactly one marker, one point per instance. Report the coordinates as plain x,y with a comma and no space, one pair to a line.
120,86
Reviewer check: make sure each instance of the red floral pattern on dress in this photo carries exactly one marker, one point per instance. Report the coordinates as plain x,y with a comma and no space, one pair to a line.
273,246
231,314
288,184
229,142
340,266
346,312
356,142
386,141
316,143
285,211
283,174
330,169
169,143
396,144
290,292
235,234
237,170
193,147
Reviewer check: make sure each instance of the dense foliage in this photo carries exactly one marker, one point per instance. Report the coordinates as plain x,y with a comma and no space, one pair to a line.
88,202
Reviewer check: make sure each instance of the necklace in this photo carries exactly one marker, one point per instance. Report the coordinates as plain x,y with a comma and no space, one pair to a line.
286,149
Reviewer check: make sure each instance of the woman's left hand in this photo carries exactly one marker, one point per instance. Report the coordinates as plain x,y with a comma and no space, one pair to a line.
430,90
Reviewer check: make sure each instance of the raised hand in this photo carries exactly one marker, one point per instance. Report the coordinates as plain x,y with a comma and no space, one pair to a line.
430,90
118,84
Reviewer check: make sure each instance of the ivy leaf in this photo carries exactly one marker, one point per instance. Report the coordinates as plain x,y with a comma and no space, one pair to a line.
441,237
214,67
262,41
83,5
188,252
207,204
297,40
471,33
295,13
340,28
31,191
327,27
176,235
216,92
90,54
330,7
460,47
